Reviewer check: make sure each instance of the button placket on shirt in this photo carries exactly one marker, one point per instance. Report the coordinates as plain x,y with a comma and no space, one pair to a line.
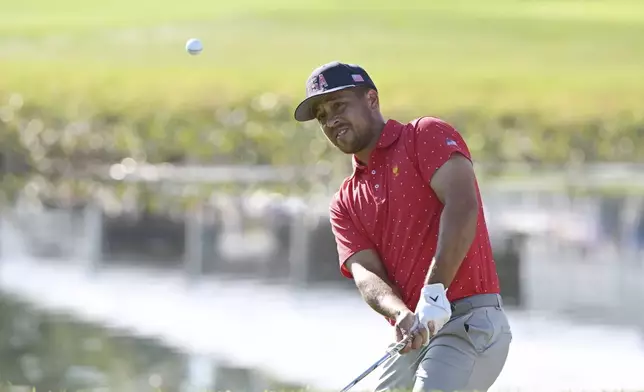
373,164
376,180
376,186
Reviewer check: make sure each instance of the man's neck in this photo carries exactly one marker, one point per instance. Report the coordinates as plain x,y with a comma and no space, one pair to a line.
364,155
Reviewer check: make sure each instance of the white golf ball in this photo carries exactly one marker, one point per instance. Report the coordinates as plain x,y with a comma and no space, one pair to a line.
194,46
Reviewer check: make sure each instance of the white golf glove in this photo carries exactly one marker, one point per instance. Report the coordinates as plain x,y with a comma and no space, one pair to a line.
433,306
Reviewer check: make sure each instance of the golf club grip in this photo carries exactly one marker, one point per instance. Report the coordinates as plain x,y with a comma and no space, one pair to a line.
400,345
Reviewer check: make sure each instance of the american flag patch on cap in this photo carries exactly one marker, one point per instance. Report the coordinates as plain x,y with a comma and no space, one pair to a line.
357,78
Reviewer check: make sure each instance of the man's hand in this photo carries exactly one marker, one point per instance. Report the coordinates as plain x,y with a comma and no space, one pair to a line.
408,324
433,309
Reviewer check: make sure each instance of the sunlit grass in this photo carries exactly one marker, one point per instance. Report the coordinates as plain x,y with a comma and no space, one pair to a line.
564,58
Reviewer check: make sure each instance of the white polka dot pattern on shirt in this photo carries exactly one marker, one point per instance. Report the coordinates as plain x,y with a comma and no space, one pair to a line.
402,213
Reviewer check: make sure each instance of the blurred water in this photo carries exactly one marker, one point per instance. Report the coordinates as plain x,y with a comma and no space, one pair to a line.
322,338
54,351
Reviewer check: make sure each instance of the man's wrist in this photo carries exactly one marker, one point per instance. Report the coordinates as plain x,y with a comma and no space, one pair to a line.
438,273
394,307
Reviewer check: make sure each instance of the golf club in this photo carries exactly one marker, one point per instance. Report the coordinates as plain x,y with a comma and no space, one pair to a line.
390,353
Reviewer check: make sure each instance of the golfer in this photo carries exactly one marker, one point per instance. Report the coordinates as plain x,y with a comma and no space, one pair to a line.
411,233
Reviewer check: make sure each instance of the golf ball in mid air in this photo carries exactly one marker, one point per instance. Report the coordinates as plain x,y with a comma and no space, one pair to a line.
194,46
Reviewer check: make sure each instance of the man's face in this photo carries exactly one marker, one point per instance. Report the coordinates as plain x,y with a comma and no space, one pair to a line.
346,118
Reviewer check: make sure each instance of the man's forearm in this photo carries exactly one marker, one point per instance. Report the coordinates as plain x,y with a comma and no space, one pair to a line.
457,230
378,293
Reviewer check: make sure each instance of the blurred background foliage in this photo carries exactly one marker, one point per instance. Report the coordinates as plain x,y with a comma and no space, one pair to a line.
88,85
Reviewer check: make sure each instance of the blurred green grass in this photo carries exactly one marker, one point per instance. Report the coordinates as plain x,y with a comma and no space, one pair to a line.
565,59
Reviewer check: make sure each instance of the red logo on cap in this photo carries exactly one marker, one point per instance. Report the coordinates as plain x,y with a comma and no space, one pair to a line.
319,82
322,82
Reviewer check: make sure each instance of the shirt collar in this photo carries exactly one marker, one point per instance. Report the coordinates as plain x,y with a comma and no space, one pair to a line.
390,133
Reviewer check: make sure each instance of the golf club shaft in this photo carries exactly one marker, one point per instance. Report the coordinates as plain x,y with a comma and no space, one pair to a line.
390,353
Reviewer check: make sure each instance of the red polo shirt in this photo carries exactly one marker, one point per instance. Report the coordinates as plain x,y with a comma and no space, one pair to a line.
389,206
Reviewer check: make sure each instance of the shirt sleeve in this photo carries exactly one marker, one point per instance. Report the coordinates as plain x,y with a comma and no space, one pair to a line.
348,238
436,141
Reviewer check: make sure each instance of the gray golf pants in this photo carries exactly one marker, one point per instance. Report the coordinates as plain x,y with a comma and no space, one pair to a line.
467,354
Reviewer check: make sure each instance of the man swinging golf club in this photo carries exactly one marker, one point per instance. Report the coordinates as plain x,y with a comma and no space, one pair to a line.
411,233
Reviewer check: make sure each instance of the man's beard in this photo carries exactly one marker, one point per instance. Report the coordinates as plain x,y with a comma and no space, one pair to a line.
355,147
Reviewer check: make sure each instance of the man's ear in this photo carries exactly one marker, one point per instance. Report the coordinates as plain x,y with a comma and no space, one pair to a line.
373,100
